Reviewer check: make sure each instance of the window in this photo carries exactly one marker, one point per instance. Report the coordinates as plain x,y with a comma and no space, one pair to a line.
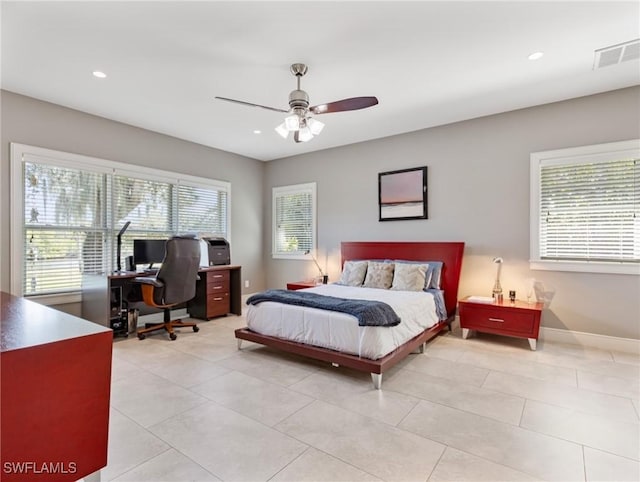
585,209
72,207
294,220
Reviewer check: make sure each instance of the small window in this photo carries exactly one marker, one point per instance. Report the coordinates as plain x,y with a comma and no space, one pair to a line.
294,220
585,209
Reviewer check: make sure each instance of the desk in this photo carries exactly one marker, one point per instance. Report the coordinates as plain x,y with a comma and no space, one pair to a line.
55,384
106,299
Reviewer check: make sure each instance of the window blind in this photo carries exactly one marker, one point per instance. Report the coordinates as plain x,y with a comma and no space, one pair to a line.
294,219
590,211
64,227
203,210
74,207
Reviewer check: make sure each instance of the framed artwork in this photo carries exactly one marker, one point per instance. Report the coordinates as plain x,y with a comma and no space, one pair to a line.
403,194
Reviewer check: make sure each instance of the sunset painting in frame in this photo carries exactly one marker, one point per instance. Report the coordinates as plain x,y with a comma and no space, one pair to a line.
403,194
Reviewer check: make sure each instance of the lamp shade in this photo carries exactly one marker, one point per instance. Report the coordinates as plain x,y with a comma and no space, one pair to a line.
292,122
282,130
315,126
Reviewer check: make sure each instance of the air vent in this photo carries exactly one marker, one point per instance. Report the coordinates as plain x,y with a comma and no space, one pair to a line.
617,53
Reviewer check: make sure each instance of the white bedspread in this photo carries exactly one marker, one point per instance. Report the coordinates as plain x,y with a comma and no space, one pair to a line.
339,331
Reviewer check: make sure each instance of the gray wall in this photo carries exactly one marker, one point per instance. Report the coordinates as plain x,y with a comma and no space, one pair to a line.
479,194
29,121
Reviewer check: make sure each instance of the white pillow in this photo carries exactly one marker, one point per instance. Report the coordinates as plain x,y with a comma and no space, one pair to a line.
379,275
409,277
353,273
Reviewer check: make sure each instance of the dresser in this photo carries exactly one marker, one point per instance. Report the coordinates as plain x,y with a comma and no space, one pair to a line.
56,387
218,292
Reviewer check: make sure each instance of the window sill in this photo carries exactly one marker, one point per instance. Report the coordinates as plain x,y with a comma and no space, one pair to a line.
586,267
56,299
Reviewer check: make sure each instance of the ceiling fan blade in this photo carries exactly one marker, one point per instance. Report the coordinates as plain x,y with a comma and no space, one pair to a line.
354,103
252,105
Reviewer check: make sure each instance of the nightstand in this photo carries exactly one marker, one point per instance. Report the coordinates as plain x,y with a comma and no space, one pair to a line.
300,285
517,318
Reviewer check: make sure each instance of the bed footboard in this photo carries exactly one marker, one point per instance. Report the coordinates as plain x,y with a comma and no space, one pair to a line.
375,367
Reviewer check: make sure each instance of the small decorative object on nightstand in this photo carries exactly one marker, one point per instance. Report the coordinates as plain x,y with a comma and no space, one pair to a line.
513,318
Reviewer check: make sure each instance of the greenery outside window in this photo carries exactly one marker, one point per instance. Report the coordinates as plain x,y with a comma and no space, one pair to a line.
294,220
585,209
70,209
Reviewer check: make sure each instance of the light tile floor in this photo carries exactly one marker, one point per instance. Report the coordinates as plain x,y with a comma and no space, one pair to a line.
486,408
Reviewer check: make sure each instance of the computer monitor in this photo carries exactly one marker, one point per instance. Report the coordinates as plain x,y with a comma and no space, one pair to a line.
148,251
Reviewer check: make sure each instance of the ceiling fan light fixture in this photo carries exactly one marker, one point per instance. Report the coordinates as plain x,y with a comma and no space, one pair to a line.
282,130
298,117
315,126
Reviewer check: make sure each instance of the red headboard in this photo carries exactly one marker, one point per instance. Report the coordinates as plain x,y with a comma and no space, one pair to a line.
449,253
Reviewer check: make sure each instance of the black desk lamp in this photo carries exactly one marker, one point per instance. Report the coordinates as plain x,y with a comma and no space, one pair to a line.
124,228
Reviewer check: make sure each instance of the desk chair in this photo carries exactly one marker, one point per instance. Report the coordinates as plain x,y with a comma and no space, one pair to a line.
174,283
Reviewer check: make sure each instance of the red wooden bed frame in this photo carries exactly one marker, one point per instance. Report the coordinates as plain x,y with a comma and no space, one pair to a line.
450,253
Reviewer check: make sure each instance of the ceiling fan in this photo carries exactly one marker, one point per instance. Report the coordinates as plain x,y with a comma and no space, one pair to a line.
300,121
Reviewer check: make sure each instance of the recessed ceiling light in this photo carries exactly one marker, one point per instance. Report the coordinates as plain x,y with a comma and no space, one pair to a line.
100,75
536,56
257,131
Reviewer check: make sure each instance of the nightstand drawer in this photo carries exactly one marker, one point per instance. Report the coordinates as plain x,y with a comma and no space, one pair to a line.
503,320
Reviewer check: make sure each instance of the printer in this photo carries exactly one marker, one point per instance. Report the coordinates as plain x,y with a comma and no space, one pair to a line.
219,251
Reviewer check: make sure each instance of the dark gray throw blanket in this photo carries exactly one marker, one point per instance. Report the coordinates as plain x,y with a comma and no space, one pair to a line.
368,312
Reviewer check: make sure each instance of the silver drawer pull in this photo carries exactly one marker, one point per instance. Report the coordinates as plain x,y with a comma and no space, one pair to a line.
217,287
497,320
217,276
217,299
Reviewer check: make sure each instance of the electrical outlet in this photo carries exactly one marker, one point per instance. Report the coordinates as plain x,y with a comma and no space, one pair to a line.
246,283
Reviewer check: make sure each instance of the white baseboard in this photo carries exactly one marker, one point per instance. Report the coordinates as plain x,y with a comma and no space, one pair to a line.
603,342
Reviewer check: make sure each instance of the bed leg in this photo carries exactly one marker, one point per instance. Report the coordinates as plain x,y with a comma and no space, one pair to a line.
239,340
422,347
376,378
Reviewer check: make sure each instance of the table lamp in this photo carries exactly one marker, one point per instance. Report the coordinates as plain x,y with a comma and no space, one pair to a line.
497,288
325,278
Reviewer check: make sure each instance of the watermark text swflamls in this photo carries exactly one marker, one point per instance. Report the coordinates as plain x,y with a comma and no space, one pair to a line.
31,467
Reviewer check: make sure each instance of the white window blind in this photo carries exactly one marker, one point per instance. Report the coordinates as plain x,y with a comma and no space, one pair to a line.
73,208
64,227
294,220
588,207
202,209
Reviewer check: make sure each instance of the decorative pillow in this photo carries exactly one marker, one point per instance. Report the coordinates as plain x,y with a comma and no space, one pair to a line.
428,274
379,275
409,277
436,274
353,273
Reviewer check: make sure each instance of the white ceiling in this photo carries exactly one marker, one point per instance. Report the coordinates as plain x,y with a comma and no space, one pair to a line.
429,63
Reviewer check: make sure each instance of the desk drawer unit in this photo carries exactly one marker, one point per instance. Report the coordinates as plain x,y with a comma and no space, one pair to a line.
517,319
217,293
212,295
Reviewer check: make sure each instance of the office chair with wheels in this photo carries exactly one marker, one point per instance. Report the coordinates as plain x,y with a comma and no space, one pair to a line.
174,283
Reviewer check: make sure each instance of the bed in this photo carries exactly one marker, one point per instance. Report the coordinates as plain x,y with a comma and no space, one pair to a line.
370,349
